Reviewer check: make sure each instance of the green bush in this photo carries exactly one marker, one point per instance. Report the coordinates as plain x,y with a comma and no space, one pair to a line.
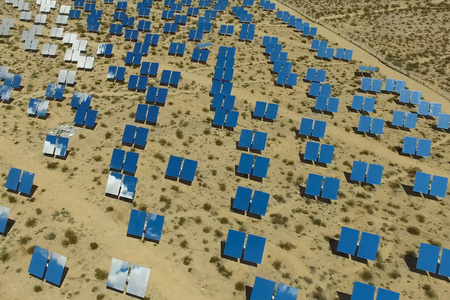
101,274
93,245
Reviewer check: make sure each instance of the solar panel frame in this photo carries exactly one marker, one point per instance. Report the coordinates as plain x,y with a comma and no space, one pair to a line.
311,151
271,112
435,109
259,141
330,188
152,116
154,227
232,118
443,121
245,139
348,241
260,109
306,127
141,137
319,129
416,96
326,154
357,102
117,159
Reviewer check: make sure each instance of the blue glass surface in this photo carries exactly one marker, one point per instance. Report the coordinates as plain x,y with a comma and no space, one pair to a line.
311,151
136,223
260,109
55,268
438,186
366,84
259,203
409,145
259,141
142,83
245,140
91,116
242,198
165,76
411,120
422,183
376,85
443,121
285,292
245,163
389,85
26,182
306,126
12,182
38,262
348,241
357,102
428,257
423,148
261,166
359,170
444,266
152,116
219,117
141,112
272,110
405,96
384,294
117,158
128,134
319,129
314,185
435,109
398,118
154,228
377,126
374,174
262,289
333,104
232,118
188,170
326,154
174,166
368,246
130,163
321,103
141,136
362,291
128,187
234,244
330,188
369,104
254,249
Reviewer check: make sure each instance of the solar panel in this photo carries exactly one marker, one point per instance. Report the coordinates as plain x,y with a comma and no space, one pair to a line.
154,227
136,223
443,121
259,141
326,154
242,198
311,151
55,268
260,167
117,159
314,185
61,146
444,266
26,182
254,249
363,291
130,164
348,241
128,187
428,257
262,289
374,174
113,184
438,186
259,203
330,188
368,246
189,169
245,140
384,294
38,262
118,274
435,109
234,244
422,183
4,214
319,129
423,148
174,166
138,280
245,164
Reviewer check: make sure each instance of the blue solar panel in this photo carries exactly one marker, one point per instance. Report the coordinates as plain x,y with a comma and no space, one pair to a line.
409,145
259,141
228,103
348,241
130,163
259,203
368,246
319,129
333,104
219,117
174,166
117,158
245,163
348,55
364,124
141,137
154,228
389,85
128,187
285,292
339,53
152,116
261,166
428,257
120,75
38,262
314,185
374,174
242,198
26,182
189,169
272,110
384,294
443,121
314,89
90,118
12,182
262,288
435,109
359,171
128,134
175,78
136,223
444,267
330,188
254,249
357,102
423,148
306,126
326,154
369,104
422,183
245,140
232,118
376,85
4,214
234,244
315,45
165,77
405,96
377,126
132,83
366,84
292,79
411,120
321,75
321,103
438,186
142,83
362,291
141,113
311,151
260,109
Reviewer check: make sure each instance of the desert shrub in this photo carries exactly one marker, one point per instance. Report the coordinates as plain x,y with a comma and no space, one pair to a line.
239,286
366,275
413,230
31,222
101,274
52,165
287,246
93,245
37,288
71,236
276,265
187,260
184,244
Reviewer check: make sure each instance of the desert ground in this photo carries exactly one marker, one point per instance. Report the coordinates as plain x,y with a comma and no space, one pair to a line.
69,211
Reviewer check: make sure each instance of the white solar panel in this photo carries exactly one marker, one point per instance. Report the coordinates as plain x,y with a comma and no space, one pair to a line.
138,280
72,38
76,45
75,55
89,65
62,76
68,55
59,33
26,6
38,2
46,49
14,3
64,9
83,44
40,19
53,32
66,38
81,62
27,44
53,4
53,49
34,44
71,77
62,19
25,15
